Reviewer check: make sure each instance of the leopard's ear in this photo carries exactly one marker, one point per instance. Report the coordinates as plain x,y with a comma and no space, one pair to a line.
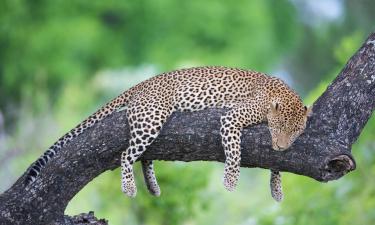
308,110
274,107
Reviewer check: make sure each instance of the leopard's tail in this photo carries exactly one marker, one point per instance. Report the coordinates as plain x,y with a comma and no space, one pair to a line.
99,115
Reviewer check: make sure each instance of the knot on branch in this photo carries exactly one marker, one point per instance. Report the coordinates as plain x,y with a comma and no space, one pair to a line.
338,167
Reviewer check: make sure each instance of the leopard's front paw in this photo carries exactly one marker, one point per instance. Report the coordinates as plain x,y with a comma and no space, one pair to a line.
129,188
277,195
230,181
276,187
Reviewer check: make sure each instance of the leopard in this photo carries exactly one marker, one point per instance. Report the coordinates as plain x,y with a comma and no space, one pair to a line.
249,98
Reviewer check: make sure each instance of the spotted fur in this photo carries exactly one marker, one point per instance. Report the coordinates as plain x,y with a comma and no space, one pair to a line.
275,186
149,177
251,98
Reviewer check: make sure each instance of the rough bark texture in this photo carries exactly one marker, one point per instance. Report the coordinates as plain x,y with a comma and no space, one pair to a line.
323,152
83,219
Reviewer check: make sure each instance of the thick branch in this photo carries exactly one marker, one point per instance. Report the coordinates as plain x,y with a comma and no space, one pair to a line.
323,152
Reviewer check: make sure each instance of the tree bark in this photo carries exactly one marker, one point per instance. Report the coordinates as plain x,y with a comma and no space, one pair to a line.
322,152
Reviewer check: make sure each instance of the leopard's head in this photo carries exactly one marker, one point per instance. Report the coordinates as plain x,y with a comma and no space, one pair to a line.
286,121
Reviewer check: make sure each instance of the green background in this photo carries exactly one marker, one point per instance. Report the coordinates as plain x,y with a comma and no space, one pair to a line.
61,60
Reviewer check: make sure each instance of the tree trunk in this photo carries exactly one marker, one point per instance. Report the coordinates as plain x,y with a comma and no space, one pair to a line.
323,151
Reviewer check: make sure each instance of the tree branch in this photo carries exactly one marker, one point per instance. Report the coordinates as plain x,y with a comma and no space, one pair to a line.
323,152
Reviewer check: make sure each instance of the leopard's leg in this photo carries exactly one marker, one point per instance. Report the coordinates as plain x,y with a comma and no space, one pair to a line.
143,130
232,124
128,158
150,178
275,185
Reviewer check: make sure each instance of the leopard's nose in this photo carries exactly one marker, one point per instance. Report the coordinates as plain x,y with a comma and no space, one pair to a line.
277,147
282,146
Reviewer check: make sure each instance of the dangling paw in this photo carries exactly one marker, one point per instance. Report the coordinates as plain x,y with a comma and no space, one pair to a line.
150,178
275,185
128,187
154,189
230,180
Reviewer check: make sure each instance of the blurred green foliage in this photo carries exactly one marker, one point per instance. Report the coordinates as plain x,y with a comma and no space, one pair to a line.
60,60
45,45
